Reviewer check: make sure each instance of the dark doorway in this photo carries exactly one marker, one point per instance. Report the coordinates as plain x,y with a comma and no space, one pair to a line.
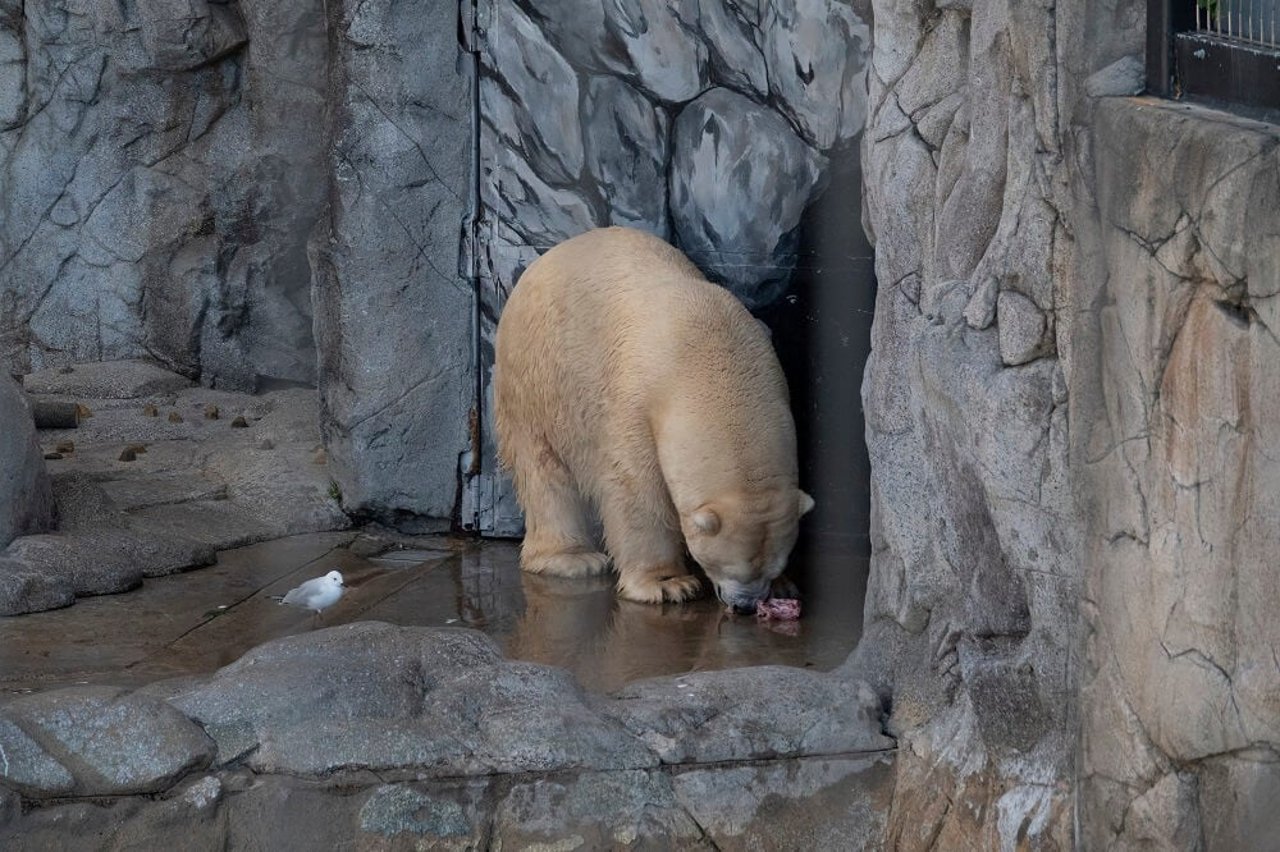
822,334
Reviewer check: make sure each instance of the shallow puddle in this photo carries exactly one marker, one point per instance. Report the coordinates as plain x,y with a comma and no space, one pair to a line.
194,623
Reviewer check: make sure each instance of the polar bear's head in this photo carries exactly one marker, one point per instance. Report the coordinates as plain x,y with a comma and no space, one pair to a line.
743,540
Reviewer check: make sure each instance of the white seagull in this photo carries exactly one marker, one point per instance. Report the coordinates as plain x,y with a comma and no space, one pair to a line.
316,595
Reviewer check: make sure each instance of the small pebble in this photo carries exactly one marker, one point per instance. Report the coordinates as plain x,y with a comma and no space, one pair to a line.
175,417
211,412
240,423
128,454
138,449
52,456
320,457
65,447
84,411
150,410
66,370
266,444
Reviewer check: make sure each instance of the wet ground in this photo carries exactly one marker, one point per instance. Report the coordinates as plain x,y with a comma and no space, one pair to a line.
196,622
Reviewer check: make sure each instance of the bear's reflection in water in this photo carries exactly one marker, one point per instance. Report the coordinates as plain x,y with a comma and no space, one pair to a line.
582,625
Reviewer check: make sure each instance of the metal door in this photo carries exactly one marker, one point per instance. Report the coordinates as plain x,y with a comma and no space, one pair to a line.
716,124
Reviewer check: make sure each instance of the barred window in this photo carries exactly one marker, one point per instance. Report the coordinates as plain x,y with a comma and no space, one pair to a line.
1226,51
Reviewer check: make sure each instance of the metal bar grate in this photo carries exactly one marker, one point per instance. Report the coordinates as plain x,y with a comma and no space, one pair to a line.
1247,21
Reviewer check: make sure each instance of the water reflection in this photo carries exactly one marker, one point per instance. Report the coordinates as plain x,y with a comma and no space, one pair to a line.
194,623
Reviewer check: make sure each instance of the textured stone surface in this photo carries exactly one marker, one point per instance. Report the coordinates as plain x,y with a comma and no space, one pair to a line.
627,151
375,696
27,767
197,486
816,52
1179,418
796,804
651,42
839,803
26,497
1067,403
117,743
393,314
112,380
158,181
364,675
757,712
597,811
731,160
972,606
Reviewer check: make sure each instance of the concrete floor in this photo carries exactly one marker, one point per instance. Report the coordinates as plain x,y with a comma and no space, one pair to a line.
196,622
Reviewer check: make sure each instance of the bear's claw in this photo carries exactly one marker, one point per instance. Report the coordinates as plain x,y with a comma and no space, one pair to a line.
576,563
674,589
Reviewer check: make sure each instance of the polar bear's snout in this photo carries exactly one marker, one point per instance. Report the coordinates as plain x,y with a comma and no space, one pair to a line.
742,598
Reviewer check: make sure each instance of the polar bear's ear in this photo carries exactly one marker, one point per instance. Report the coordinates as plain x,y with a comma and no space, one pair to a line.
707,521
806,503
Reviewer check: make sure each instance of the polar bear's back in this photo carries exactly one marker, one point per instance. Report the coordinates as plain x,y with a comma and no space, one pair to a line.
607,322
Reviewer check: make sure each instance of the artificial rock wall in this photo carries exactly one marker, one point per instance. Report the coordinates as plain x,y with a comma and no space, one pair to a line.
159,173
1068,412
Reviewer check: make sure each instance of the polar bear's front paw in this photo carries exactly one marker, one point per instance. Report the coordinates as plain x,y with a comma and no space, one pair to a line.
659,587
567,563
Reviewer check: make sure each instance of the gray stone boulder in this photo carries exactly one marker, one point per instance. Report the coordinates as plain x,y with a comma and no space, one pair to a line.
26,495
27,767
519,717
529,97
627,153
374,696
605,810
351,673
24,588
651,43
730,30
94,380
110,742
97,550
817,59
750,713
740,180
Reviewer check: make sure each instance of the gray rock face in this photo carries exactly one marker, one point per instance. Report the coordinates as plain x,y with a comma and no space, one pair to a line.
731,31
26,498
597,811
627,151
816,52
118,743
750,713
375,696
1179,700
798,804
651,43
730,156
113,380
365,670
24,588
1067,368
29,768
394,324
159,178
465,749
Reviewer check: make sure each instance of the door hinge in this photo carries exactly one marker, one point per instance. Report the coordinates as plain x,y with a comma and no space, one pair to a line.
469,248
473,23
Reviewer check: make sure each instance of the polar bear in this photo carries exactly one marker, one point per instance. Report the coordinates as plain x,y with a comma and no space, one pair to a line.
630,389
